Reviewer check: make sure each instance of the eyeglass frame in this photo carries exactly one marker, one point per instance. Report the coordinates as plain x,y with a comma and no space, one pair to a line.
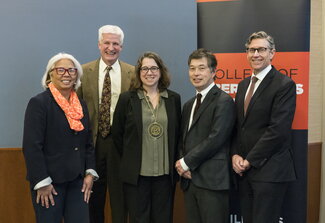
153,69
66,70
260,50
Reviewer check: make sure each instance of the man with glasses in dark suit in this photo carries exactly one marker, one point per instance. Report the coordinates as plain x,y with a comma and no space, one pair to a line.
261,152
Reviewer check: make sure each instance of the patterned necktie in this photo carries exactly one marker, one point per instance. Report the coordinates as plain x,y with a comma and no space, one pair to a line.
250,94
104,123
198,103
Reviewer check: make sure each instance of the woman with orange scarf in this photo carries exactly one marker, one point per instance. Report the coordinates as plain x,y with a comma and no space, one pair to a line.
57,146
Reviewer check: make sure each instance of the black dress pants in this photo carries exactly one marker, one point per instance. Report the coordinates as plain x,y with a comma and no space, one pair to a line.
261,201
151,201
206,206
107,167
98,197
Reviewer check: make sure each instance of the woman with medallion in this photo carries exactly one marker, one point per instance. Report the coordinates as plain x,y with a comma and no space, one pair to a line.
57,146
145,132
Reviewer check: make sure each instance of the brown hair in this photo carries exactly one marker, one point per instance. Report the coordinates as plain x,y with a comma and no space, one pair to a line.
164,80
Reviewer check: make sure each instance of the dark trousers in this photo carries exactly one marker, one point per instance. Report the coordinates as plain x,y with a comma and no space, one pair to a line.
261,201
206,206
69,204
115,185
107,167
151,201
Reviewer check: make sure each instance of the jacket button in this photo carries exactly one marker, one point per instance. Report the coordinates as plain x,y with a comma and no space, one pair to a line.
76,133
76,149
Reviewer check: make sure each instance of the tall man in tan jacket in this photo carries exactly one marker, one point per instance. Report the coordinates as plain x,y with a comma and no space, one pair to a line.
101,84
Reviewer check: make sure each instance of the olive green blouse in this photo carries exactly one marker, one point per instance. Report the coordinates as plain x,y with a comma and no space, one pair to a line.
155,160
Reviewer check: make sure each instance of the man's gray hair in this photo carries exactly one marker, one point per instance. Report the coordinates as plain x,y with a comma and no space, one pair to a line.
260,35
111,29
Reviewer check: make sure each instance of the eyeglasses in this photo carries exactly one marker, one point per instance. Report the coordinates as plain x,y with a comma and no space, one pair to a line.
61,71
153,69
260,50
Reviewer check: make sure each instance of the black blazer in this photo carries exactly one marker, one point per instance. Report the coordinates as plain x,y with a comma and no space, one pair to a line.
206,144
127,133
50,147
263,136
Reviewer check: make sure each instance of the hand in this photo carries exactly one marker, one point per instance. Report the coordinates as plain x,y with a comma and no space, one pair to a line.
45,195
86,187
187,175
246,165
179,168
238,164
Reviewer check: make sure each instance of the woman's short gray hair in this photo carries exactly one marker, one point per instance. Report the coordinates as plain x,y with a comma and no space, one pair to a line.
53,61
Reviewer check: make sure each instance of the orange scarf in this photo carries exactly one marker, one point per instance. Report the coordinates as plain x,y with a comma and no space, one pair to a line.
72,110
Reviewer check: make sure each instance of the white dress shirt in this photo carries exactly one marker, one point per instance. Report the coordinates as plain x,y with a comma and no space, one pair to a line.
260,76
116,79
203,93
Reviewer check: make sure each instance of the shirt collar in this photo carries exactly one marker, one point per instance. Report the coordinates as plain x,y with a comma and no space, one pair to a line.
162,94
261,75
103,65
206,90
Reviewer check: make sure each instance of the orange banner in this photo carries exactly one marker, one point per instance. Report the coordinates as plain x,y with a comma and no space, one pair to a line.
233,67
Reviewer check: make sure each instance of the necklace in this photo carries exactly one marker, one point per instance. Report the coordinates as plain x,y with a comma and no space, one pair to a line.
155,129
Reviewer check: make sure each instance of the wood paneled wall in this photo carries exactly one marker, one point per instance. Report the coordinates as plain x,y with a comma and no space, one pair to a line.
15,199
314,178
16,205
15,202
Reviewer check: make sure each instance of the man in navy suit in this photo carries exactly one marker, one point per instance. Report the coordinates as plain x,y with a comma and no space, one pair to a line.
207,124
261,152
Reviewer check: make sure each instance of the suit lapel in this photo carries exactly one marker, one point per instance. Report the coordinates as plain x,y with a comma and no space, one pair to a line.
186,116
170,110
137,112
93,76
93,71
241,98
125,77
206,102
266,81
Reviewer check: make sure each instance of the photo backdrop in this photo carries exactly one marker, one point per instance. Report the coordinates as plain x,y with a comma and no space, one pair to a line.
35,30
223,27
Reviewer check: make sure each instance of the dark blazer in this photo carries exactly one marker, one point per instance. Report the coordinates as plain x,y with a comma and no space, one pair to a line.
263,136
127,133
206,144
50,147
